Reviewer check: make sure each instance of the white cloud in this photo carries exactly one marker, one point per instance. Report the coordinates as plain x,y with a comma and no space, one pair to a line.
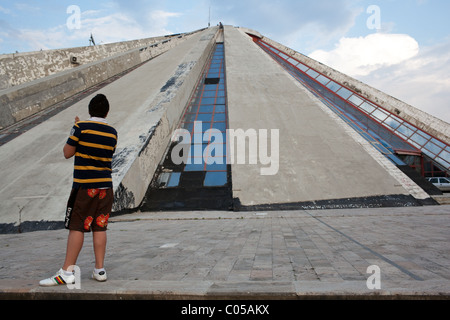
394,64
159,20
105,29
363,55
122,26
422,81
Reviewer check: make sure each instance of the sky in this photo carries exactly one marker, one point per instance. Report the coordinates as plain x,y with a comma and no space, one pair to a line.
401,47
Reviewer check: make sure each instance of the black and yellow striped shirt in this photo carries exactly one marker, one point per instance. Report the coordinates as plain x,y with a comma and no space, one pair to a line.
96,143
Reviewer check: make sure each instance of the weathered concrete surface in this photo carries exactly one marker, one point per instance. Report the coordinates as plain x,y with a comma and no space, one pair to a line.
220,255
36,180
320,157
23,100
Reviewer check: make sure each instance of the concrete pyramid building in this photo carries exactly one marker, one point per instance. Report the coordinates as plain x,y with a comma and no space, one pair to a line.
218,119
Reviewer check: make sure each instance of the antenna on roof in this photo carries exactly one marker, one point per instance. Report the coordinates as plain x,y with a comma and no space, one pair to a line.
91,40
209,18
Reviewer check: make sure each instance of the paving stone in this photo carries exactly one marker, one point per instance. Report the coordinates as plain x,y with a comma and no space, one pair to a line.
281,254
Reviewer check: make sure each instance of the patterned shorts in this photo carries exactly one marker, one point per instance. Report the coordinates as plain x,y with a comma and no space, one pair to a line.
89,210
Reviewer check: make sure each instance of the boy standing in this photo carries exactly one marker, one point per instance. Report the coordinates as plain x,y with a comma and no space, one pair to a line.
93,143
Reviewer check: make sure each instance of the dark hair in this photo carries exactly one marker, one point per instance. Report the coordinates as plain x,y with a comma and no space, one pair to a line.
99,106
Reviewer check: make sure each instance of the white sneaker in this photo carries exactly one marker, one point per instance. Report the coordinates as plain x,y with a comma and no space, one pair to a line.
101,276
58,279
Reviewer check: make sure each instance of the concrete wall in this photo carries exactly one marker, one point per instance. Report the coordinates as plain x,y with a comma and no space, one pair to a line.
136,161
19,68
434,126
24,100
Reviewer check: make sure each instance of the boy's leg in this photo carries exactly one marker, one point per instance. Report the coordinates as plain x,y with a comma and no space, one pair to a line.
99,239
74,245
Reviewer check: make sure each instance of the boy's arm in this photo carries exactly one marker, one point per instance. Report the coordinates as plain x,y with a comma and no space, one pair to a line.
69,151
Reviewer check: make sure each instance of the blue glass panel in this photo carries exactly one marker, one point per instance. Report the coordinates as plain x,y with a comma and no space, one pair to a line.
219,166
333,86
174,180
188,126
396,160
208,101
445,155
355,100
433,148
292,61
220,117
222,126
323,80
302,67
367,107
215,138
344,93
199,126
419,139
197,138
204,117
209,94
438,143
429,154
163,178
206,109
216,150
220,100
405,130
391,122
219,108
312,73
194,167
190,117
425,135
215,179
284,56
206,126
380,115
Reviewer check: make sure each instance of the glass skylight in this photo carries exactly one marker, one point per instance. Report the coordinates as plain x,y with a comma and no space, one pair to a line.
385,127
207,110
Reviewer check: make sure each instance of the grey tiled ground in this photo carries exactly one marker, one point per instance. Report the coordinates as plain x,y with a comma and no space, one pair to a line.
280,254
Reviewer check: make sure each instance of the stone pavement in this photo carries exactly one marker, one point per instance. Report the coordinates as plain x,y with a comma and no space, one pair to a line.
246,255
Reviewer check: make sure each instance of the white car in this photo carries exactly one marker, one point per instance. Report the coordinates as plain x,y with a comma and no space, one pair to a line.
442,183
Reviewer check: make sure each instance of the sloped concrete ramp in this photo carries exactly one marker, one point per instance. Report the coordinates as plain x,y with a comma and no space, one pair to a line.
316,156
